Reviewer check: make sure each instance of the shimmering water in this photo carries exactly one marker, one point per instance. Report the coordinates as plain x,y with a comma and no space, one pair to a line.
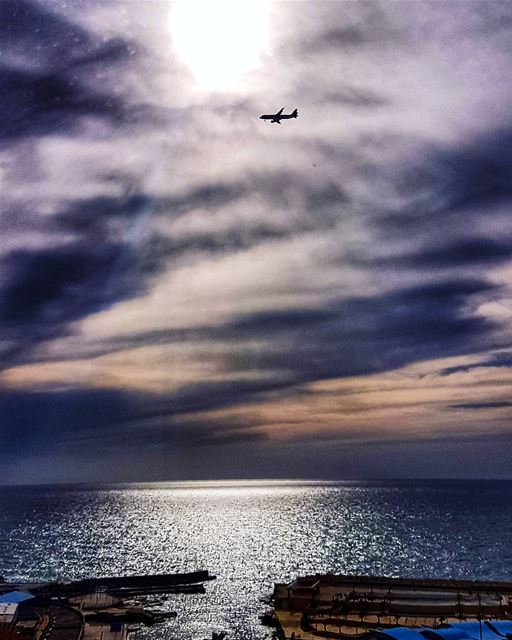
253,534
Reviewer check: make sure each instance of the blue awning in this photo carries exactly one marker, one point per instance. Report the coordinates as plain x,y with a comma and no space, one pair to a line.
12,597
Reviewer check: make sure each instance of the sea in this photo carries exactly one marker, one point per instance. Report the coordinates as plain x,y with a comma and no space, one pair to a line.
251,534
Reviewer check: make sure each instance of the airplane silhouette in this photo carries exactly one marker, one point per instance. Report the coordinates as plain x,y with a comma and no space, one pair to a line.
277,117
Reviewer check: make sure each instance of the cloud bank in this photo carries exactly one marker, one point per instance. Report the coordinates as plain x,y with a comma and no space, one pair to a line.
187,291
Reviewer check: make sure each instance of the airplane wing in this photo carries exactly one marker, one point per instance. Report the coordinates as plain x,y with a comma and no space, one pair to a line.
280,112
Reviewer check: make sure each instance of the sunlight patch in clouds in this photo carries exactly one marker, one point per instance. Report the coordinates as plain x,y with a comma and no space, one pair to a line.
156,369
414,402
219,41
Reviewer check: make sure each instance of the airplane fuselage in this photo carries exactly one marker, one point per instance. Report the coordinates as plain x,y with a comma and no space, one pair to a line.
277,117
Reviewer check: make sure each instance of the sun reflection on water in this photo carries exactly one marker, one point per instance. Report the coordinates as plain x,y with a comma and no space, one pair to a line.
251,534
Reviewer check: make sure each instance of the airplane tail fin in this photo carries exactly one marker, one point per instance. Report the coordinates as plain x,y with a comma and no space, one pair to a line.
295,113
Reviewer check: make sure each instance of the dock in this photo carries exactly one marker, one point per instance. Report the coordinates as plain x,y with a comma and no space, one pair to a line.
356,606
90,609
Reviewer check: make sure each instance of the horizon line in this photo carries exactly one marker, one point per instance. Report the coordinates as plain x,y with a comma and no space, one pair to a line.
226,482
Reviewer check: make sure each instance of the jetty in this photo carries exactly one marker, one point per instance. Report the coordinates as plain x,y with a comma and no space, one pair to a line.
192,582
344,606
92,608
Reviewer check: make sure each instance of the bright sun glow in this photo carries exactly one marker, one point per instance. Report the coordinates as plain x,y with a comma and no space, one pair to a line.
219,40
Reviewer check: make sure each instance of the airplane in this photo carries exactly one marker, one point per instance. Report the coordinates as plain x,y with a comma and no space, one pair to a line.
277,117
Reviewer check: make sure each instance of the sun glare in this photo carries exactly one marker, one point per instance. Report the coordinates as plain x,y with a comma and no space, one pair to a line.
219,40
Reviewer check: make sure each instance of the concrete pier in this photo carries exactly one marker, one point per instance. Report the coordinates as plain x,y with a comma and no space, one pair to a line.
92,609
351,606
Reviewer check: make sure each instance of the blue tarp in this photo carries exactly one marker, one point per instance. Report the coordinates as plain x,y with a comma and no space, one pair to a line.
446,633
399,633
503,627
476,630
494,630
12,597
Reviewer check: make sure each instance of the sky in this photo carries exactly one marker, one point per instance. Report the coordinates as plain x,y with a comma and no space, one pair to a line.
189,292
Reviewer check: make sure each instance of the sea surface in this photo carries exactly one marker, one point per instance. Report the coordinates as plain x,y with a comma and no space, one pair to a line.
252,534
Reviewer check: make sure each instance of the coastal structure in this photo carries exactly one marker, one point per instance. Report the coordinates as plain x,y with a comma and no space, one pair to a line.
91,609
8,613
356,606
9,603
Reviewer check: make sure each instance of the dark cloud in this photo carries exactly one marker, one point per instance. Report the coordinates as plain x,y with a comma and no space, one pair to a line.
358,336
351,36
356,97
47,71
459,253
49,288
369,334
56,285
280,188
210,396
480,172
361,335
210,196
110,260
25,23
373,437
38,423
98,218
480,405
372,28
226,242
89,221
498,360
35,422
38,104
45,289
451,186
166,435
